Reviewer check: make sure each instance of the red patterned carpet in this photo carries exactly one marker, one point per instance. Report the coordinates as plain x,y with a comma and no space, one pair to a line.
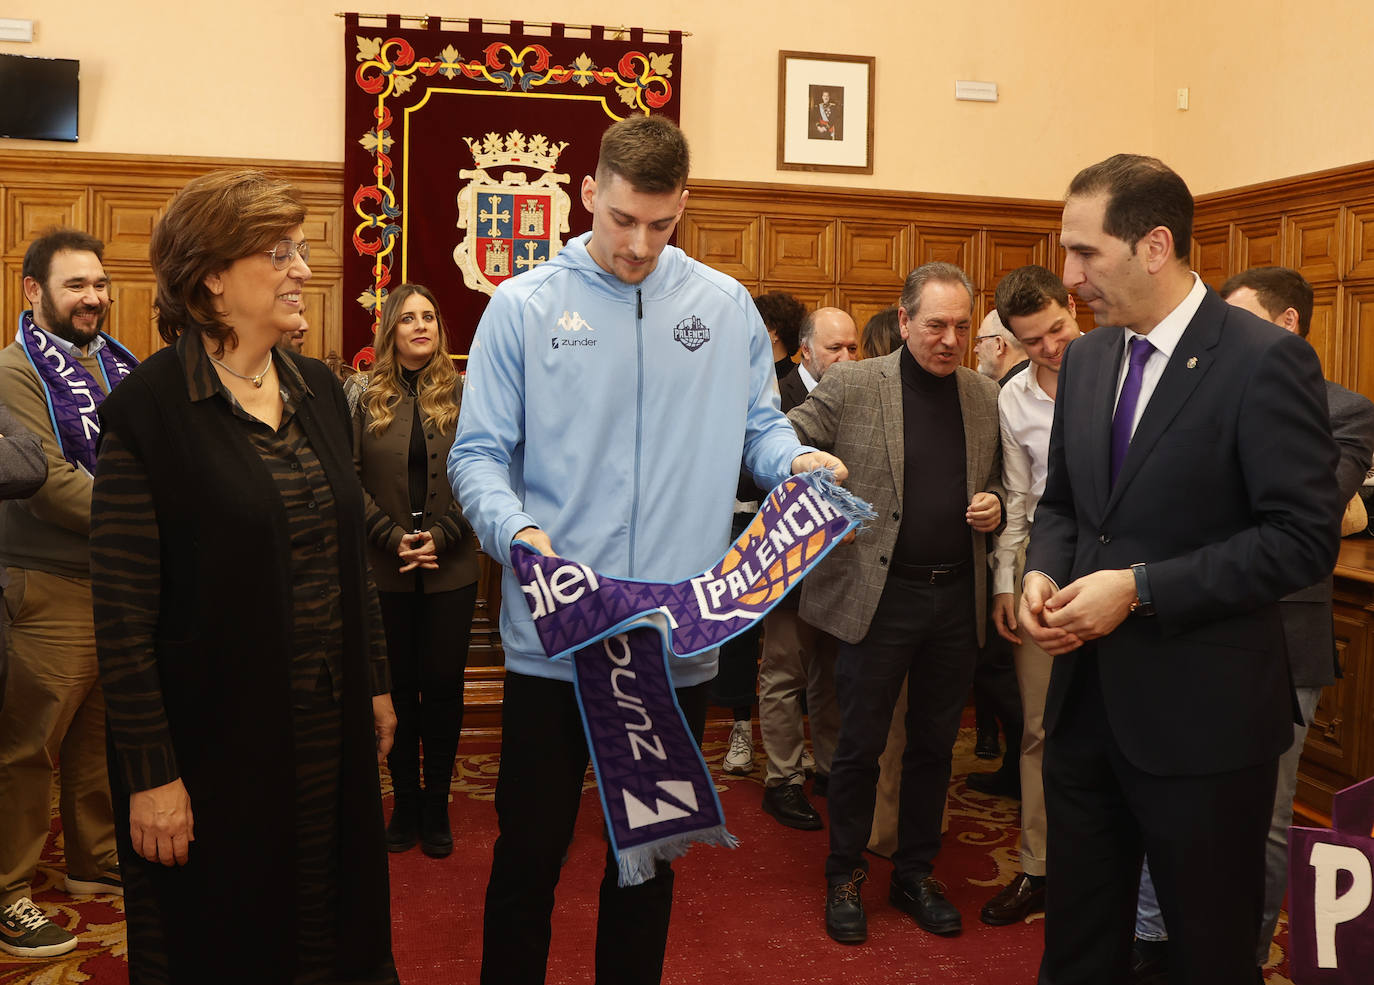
749,915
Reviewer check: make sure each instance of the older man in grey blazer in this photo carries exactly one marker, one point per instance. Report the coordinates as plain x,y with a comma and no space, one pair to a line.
919,434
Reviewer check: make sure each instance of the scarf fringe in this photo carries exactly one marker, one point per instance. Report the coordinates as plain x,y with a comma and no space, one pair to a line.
640,864
849,505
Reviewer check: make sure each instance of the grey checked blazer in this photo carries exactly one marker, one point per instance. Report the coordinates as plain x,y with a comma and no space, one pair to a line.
855,412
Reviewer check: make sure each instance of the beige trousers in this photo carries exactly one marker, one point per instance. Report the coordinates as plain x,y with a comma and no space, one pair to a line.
797,659
54,712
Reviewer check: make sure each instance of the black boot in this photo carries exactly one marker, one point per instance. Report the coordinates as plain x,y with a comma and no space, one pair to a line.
403,830
436,840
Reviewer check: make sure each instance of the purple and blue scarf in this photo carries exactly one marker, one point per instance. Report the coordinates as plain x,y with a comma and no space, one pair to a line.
656,791
71,391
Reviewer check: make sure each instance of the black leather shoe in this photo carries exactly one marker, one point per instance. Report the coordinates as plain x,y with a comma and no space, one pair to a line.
403,830
844,910
987,746
925,903
1015,902
820,786
998,784
1149,962
789,805
436,839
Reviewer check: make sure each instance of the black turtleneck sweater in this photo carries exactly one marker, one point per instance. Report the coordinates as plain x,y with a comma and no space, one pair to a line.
934,485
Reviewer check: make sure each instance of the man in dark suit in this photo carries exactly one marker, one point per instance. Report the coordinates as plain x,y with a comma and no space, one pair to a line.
1191,486
907,599
1283,296
799,659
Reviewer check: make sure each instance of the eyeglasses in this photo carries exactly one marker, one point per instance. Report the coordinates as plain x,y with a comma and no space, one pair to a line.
984,338
285,251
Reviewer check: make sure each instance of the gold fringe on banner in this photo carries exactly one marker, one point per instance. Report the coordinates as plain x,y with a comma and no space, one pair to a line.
616,33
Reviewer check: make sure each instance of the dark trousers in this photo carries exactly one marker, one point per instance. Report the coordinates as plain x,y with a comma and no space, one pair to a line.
736,683
1204,835
427,649
543,761
924,633
996,696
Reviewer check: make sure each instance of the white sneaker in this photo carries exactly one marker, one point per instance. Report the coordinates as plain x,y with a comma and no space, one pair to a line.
26,933
808,762
740,757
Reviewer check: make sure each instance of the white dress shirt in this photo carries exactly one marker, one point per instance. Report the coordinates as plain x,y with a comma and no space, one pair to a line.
1026,413
806,377
1164,339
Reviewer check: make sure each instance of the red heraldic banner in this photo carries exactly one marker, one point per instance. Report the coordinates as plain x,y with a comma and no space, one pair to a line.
464,153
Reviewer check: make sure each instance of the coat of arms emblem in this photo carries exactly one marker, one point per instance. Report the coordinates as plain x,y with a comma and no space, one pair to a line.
512,224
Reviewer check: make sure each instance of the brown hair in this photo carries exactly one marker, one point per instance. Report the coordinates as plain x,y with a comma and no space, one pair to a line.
216,219
882,334
38,257
1142,193
782,313
1277,289
435,387
649,152
1027,290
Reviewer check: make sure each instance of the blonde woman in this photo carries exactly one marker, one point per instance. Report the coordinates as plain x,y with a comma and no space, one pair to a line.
422,558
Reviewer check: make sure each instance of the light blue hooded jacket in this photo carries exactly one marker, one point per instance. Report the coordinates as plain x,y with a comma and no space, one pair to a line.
615,417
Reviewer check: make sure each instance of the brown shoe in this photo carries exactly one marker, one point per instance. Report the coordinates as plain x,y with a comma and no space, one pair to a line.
1014,903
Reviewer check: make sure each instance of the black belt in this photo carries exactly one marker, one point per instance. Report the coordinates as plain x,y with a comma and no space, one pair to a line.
931,574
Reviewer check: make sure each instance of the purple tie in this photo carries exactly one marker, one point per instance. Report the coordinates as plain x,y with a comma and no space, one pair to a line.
1125,404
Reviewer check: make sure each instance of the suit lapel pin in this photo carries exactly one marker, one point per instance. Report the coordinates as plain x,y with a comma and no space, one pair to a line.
1192,362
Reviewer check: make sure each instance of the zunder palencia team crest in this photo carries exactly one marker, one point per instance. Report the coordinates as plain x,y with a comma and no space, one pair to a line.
510,224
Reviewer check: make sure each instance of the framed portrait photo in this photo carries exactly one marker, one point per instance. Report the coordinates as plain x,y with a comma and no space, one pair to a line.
825,112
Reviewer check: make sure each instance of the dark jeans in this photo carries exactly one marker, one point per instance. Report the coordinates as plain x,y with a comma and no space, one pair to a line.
924,633
427,650
543,761
737,680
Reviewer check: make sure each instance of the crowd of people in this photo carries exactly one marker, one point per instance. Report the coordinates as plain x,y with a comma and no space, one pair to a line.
233,588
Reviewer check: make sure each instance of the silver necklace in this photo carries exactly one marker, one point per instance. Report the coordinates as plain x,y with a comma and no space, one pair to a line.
255,380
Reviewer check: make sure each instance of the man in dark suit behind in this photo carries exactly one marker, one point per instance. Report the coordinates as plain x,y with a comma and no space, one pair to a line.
799,659
1191,485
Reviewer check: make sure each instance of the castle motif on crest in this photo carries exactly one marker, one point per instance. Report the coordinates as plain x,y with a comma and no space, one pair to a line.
512,224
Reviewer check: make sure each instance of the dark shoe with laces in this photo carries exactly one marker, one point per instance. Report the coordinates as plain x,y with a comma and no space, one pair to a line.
924,901
436,839
789,805
403,830
1024,896
844,910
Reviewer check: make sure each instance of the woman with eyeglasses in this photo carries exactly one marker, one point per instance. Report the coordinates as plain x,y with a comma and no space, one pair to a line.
238,632
422,557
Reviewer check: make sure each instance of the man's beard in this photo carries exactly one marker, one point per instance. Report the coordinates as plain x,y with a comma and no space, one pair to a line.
65,328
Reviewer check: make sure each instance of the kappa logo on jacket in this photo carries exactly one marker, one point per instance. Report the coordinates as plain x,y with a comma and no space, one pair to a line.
692,333
570,323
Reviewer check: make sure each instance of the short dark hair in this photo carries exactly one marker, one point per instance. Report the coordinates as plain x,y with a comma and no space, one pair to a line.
38,257
1142,193
1278,289
1027,290
937,271
216,219
783,313
649,152
882,334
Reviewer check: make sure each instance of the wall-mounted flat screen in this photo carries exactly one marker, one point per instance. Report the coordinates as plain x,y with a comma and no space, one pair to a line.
38,97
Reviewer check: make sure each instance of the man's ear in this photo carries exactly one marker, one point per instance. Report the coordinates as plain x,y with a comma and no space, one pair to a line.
1289,320
589,193
33,291
1158,245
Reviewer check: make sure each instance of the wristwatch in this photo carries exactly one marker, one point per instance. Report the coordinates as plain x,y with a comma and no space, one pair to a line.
1144,604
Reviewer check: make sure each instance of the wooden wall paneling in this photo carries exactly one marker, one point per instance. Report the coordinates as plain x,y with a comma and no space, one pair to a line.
1355,367
1312,244
1211,254
1332,749
1325,331
812,295
1008,249
323,308
133,290
32,209
799,248
123,219
863,303
950,245
874,252
1259,243
729,243
1359,239
11,297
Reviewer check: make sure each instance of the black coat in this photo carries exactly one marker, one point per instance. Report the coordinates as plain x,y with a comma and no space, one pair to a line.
222,644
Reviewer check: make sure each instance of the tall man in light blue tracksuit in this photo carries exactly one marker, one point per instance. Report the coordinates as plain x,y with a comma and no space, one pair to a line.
611,395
